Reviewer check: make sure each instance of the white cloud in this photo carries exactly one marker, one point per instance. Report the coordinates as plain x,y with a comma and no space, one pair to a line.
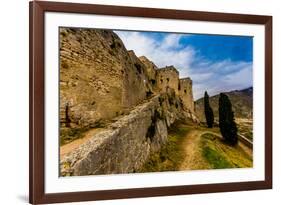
168,51
171,41
215,77
137,42
222,76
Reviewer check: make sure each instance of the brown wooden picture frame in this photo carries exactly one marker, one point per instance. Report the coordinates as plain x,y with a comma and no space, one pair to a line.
37,96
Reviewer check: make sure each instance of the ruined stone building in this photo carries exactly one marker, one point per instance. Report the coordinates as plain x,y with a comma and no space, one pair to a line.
102,82
167,77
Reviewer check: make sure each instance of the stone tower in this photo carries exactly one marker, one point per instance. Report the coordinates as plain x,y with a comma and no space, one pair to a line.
167,77
185,92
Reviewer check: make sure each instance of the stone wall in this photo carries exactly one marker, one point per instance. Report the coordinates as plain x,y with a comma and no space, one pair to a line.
142,75
150,69
98,77
125,146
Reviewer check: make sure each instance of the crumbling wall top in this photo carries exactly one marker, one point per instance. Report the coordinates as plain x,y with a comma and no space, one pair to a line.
186,79
168,68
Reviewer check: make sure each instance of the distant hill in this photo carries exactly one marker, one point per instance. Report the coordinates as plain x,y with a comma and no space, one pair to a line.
242,104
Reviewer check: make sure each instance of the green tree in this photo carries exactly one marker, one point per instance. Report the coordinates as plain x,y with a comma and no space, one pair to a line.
208,111
227,123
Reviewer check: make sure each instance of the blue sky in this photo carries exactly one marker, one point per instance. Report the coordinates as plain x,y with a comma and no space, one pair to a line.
215,63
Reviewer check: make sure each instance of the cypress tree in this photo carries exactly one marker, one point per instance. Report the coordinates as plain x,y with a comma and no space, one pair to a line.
208,111
227,123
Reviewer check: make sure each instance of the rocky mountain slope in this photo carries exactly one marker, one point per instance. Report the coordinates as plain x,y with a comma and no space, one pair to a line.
242,104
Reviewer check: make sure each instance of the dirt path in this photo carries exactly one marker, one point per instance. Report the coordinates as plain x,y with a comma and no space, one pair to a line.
193,158
76,143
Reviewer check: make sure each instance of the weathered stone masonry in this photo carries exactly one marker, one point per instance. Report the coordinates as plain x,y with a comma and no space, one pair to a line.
186,94
98,77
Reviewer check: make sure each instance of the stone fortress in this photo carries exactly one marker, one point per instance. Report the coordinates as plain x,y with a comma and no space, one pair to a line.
168,77
101,83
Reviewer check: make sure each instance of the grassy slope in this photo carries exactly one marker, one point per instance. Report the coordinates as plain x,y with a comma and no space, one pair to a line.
213,150
220,155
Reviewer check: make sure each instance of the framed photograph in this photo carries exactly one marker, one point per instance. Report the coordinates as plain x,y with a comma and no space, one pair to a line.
139,102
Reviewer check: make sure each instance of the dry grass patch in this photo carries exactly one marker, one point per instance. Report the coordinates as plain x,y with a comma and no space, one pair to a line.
171,155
